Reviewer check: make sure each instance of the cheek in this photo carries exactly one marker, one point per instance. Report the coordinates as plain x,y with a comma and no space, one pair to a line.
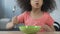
32,3
41,2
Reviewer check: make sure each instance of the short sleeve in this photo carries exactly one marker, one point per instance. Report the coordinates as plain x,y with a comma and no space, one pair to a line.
20,18
50,21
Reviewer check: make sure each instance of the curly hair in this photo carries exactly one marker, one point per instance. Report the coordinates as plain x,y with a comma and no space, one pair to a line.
47,5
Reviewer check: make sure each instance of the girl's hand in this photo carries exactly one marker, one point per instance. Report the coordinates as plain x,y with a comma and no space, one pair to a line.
47,28
12,23
14,20
9,25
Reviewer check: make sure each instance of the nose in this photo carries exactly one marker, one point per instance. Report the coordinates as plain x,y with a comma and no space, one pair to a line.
36,0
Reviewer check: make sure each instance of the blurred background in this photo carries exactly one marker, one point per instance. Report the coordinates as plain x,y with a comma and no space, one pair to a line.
9,8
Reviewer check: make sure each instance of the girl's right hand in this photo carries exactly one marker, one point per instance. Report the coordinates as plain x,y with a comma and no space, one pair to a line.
14,20
12,23
9,25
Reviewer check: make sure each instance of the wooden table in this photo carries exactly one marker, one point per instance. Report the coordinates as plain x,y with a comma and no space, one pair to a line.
18,32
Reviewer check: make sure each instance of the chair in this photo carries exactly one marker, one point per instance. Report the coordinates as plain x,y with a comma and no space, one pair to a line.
57,26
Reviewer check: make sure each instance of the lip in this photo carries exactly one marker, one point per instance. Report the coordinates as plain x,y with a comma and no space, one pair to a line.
37,3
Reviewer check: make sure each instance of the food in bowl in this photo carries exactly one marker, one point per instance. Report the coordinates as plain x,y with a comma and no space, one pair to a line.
30,29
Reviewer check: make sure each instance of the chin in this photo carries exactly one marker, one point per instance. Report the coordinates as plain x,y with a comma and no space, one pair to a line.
37,7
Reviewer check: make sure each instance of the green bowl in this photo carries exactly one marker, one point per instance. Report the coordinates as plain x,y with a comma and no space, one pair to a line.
30,29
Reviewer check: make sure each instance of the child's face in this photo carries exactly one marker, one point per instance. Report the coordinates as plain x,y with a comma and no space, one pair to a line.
36,3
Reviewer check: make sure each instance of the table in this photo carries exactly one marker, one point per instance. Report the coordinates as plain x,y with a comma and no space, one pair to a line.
19,32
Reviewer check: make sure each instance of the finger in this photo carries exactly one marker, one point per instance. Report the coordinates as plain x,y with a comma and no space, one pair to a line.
14,18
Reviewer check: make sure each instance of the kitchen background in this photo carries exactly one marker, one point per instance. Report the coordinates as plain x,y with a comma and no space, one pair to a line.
7,11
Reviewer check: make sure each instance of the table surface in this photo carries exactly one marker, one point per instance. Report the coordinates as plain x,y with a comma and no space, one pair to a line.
19,32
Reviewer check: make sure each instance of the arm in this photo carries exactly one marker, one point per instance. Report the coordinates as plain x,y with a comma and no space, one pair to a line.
49,23
16,20
12,23
52,27
48,28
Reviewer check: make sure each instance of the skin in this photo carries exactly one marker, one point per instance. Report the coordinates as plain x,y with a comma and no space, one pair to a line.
35,13
36,8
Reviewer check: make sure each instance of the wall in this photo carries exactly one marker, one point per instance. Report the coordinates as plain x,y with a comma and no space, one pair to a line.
1,9
56,13
9,4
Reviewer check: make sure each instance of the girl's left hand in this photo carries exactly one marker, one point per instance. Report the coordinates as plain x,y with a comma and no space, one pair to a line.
47,28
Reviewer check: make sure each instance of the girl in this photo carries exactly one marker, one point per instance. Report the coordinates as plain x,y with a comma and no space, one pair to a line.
36,13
